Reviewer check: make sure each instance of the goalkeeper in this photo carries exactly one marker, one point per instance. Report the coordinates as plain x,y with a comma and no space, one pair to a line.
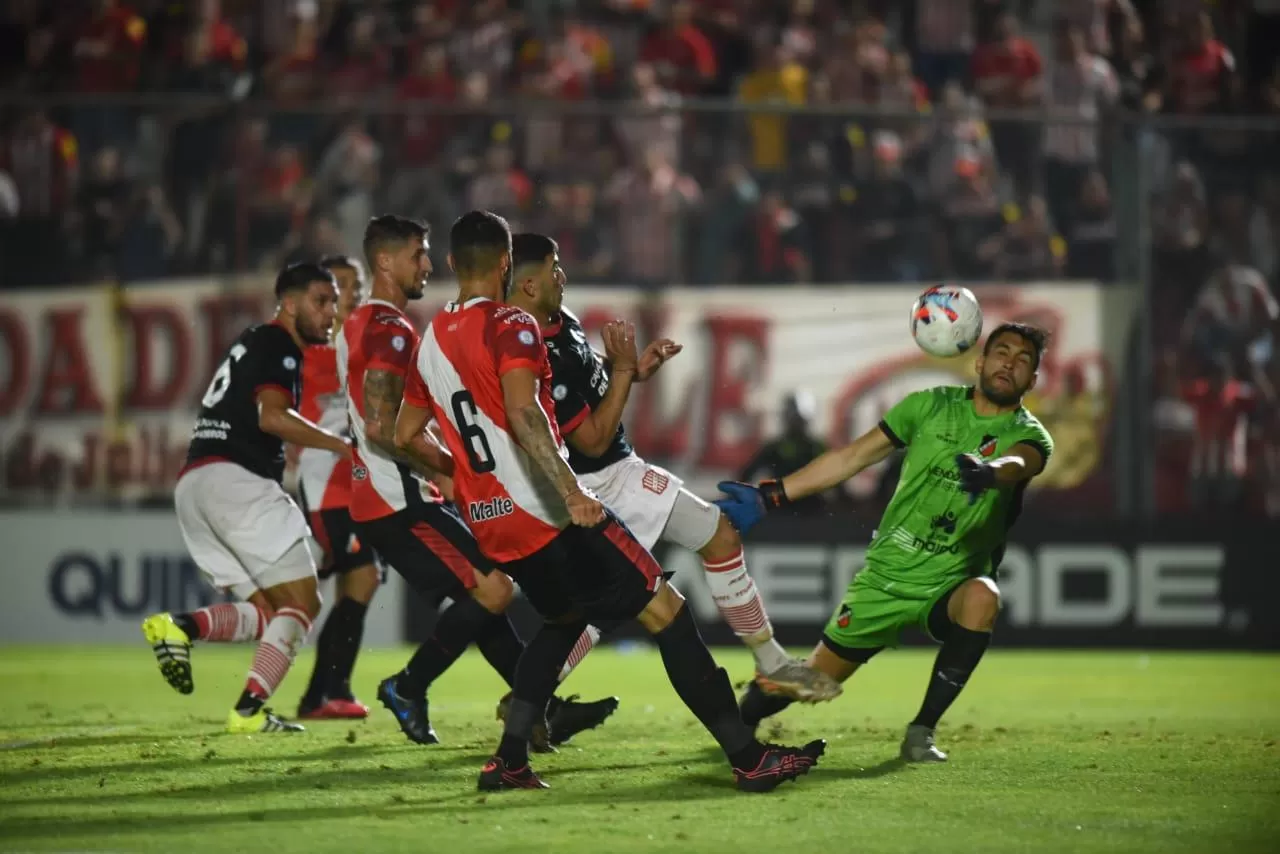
970,452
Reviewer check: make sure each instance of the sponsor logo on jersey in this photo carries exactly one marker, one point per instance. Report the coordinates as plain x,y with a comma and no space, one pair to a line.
655,482
987,446
487,511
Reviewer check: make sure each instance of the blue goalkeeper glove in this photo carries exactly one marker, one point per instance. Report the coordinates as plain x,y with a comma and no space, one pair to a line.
747,504
976,476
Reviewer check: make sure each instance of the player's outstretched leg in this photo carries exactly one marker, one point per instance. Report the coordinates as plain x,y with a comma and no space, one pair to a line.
742,609
704,687
171,636
328,695
964,620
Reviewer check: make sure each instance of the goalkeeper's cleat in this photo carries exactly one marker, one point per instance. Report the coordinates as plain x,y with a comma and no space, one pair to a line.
172,648
540,738
411,714
568,717
777,765
918,746
495,776
799,681
263,720
337,708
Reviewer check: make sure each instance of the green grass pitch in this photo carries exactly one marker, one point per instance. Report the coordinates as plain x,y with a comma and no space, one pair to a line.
1054,752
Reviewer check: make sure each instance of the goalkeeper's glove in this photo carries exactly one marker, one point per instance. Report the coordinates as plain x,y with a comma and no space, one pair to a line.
976,476
747,504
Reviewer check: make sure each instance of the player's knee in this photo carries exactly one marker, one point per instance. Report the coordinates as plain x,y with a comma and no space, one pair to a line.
724,543
661,610
493,592
979,604
361,583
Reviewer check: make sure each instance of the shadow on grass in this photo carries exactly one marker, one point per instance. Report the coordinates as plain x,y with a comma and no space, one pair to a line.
694,787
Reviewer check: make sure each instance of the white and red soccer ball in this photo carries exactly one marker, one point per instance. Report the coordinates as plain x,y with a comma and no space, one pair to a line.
946,321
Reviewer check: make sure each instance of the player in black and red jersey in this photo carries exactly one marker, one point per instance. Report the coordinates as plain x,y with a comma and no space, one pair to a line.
482,373
242,529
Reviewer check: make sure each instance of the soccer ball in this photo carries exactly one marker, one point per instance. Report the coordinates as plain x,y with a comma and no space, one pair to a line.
946,321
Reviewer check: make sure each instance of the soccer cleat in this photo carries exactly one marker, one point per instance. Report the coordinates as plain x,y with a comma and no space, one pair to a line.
779,764
799,681
172,647
495,776
338,708
410,714
540,738
568,717
918,746
263,720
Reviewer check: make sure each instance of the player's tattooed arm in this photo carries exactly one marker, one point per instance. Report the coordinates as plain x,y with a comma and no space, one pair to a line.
531,429
383,398
277,416
838,465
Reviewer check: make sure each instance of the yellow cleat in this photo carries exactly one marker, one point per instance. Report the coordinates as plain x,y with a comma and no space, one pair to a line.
263,720
172,647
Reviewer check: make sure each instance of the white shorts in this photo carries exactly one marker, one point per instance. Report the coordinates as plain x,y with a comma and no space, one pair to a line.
654,504
241,528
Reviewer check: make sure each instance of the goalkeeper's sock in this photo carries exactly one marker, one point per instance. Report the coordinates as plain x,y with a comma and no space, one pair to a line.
956,661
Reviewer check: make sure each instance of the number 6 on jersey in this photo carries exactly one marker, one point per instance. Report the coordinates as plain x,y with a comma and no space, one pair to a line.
479,454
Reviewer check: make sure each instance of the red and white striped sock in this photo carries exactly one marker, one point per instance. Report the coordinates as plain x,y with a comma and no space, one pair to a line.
229,622
280,641
739,603
586,641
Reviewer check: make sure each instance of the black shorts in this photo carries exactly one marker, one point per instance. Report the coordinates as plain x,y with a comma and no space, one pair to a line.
336,534
602,574
430,547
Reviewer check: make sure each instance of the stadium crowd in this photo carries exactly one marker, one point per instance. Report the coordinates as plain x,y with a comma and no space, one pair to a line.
198,135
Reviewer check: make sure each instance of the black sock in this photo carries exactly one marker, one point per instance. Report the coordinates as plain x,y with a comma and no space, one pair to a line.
758,705
704,687
535,679
501,647
187,622
336,651
249,703
957,659
456,628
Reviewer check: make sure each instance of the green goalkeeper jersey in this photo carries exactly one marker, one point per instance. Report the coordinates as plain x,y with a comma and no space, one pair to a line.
930,532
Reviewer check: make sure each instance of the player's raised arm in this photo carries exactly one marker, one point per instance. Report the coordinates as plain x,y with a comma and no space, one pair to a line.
595,432
277,416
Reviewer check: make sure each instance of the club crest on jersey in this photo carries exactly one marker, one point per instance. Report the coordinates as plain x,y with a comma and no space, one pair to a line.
655,481
560,392
987,446
487,511
353,544
359,472
290,363
525,336
398,343
845,614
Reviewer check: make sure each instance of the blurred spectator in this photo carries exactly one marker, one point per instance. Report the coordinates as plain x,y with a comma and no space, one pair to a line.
1081,85
970,216
680,52
365,67
482,44
781,242
1139,76
794,448
43,160
1180,221
423,132
1008,74
957,133
107,53
727,209
1091,235
150,238
1026,249
887,212
1203,68
657,125
944,38
292,77
1222,405
776,78
103,206
1235,315
648,202
316,239
500,186
586,247
346,180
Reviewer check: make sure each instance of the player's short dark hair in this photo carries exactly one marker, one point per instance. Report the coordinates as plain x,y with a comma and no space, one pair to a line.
331,261
476,242
298,277
530,248
1035,336
388,229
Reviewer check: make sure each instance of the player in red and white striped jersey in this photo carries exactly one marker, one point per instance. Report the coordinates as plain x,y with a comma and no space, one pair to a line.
324,485
482,373
398,510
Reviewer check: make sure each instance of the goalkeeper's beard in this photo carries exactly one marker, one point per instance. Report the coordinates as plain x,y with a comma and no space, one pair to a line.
1000,397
